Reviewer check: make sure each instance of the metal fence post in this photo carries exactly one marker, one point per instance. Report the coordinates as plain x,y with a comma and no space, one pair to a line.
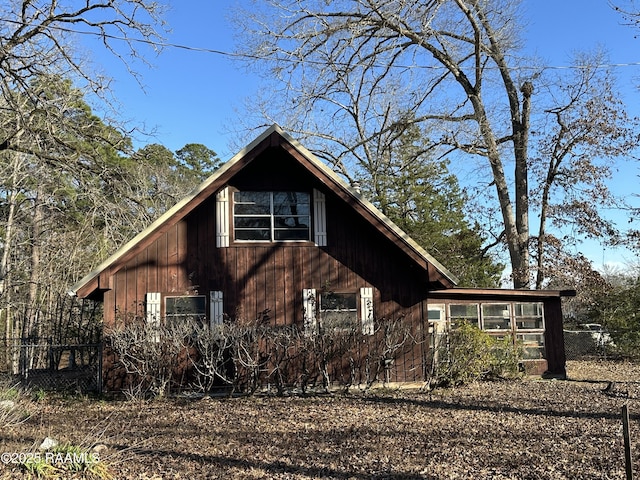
627,443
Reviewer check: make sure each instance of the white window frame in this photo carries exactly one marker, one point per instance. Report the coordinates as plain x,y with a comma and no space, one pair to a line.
272,218
472,319
364,310
506,315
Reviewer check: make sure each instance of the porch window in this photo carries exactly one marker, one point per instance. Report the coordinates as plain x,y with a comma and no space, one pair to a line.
496,316
532,345
528,316
460,313
271,216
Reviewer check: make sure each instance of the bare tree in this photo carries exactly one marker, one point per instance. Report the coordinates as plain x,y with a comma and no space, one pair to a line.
50,141
452,66
574,158
36,41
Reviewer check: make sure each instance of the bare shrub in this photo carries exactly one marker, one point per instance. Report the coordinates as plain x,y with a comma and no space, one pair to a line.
149,353
229,354
244,356
285,349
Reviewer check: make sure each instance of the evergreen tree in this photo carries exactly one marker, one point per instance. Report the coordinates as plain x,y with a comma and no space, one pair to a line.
423,198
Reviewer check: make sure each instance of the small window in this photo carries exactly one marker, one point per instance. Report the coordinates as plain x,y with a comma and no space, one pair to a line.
271,216
496,316
434,313
528,316
339,310
460,313
187,307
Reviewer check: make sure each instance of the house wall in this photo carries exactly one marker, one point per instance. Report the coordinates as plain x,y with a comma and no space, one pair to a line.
270,277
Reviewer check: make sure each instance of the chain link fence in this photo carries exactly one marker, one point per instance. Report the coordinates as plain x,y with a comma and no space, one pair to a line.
41,363
589,342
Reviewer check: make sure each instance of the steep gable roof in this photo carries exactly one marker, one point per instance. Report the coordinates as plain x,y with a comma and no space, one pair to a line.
274,136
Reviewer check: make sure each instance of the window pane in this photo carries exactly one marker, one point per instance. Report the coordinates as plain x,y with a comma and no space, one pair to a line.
464,310
532,346
185,305
292,222
529,315
528,309
529,323
496,316
255,234
340,320
291,203
252,222
338,301
252,203
495,310
292,234
339,310
463,313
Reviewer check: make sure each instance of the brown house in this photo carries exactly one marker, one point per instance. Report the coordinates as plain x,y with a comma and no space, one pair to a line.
275,233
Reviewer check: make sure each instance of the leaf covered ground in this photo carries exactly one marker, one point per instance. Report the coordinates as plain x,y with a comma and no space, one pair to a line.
529,429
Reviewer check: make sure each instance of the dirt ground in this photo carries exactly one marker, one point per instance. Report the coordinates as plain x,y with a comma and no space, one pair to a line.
529,429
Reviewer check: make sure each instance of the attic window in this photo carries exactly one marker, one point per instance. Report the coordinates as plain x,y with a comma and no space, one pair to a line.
271,216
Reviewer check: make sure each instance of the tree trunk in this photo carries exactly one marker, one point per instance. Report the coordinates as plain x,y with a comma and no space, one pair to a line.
31,311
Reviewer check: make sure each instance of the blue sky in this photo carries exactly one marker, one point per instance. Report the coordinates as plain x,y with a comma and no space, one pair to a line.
192,96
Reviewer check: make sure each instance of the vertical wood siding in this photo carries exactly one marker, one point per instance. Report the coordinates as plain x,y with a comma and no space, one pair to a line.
257,277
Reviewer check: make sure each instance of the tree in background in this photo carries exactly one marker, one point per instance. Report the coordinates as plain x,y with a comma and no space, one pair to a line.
36,41
50,142
617,309
630,12
455,68
419,194
70,194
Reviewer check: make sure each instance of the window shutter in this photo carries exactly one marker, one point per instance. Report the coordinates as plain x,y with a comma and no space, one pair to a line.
222,218
152,310
309,307
366,310
319,218
216,308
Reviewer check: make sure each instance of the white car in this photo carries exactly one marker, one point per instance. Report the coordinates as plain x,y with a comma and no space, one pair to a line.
599,334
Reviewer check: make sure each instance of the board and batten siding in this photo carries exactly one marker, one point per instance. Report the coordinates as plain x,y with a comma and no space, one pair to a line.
269,277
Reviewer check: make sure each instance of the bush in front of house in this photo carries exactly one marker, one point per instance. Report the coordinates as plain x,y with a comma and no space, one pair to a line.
466,353
242,356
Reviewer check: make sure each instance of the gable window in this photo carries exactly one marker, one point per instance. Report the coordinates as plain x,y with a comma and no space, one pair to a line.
271,216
